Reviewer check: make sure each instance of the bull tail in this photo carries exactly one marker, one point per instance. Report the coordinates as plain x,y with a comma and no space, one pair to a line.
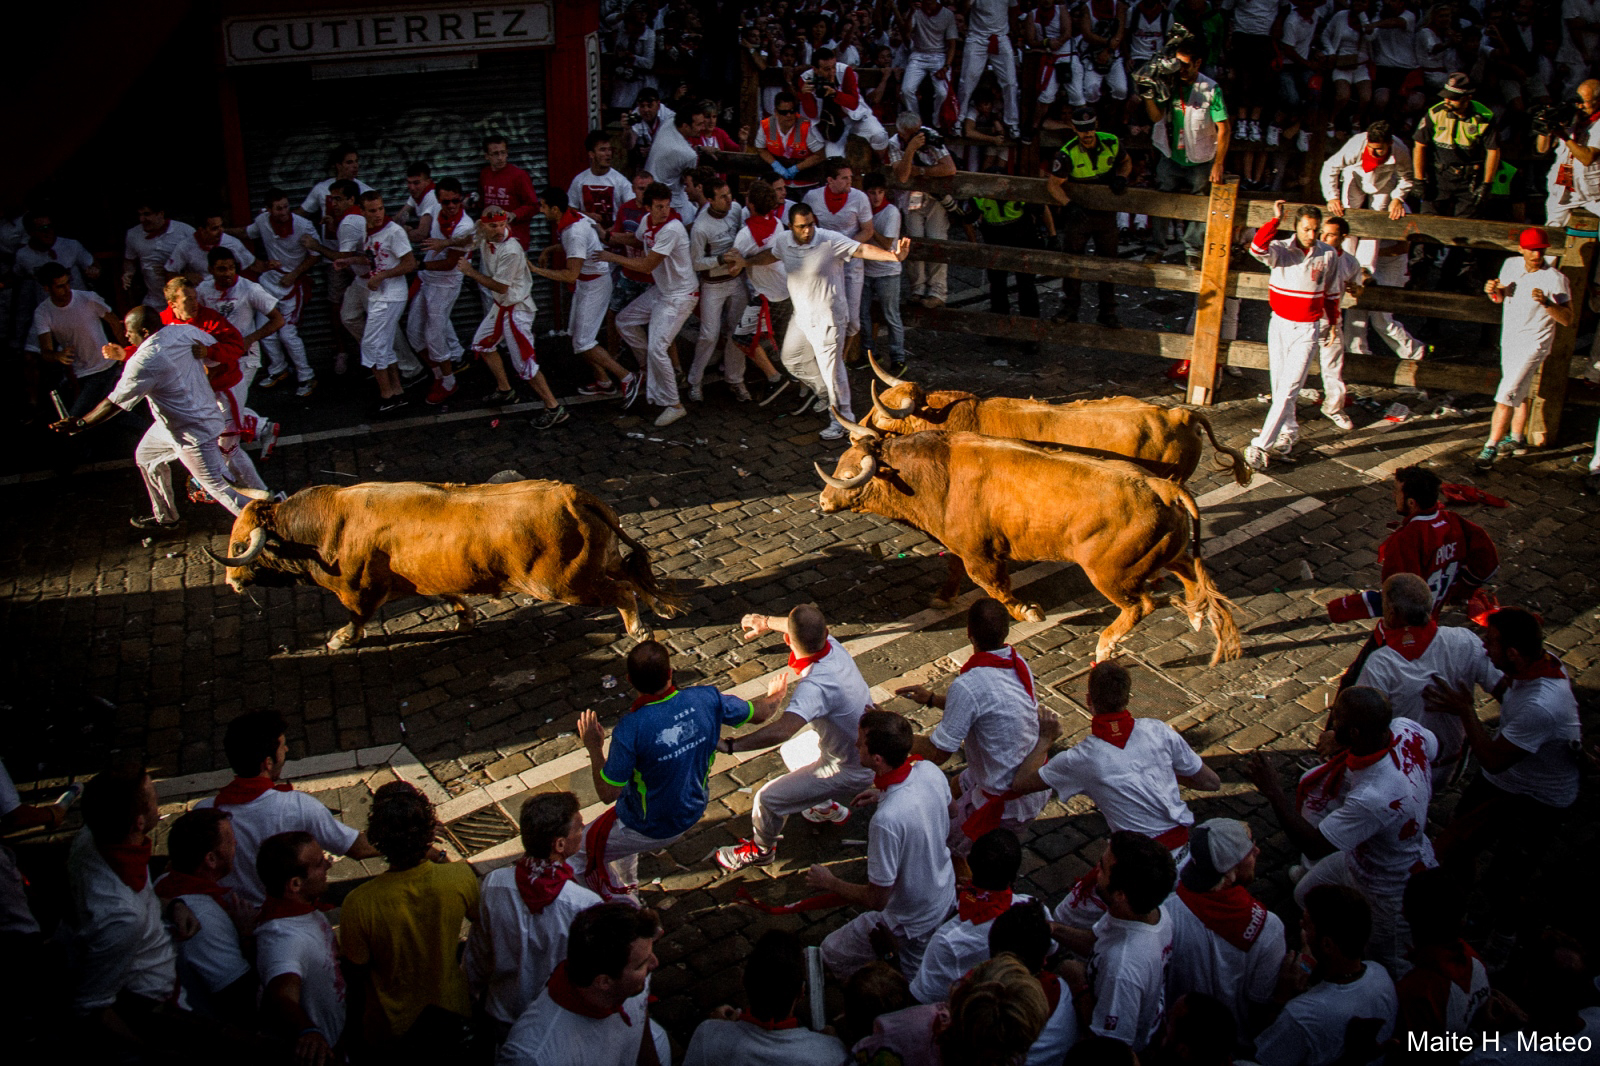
637,567
1218,610
1194,516
1226,458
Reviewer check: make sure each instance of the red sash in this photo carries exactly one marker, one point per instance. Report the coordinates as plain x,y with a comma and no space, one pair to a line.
1173,838
1114,728
1231,913
895,776
977,905
131,863
791,1022
1014,664
1546,666
275,908
242,790
1051,983
540,882
596,874
176,884
798,664
989,814
1330,775
1408,642
565,995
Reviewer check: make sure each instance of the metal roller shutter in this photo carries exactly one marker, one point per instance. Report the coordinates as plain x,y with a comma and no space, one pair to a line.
291,119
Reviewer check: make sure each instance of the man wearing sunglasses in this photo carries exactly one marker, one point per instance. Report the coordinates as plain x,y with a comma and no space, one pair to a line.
789,143
428,328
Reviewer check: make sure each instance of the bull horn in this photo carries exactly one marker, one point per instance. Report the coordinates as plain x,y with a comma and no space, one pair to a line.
857,430
883,375
884,410
869,466
258,541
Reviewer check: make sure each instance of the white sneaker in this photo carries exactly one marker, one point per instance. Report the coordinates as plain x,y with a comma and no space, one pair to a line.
822,813
697,393
1274,135
670,415
833,432
740,392
1303,142
1256,459
1340,419
1283,449
821,406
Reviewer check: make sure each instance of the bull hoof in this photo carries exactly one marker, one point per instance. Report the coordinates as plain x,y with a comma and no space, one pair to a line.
1104,652
940,601
466,622
343,638
642,634
1032,613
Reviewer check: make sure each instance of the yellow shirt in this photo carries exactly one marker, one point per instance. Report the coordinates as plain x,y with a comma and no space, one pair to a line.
405,926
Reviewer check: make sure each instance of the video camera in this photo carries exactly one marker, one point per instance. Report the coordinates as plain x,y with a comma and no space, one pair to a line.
1157,79
1547,119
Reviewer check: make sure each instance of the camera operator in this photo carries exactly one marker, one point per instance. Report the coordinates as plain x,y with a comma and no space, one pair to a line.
1089,158
918,152
1575,175
831,97
1191,131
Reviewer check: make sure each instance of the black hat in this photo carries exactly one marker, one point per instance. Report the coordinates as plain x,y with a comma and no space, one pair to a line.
1458,85
1085,118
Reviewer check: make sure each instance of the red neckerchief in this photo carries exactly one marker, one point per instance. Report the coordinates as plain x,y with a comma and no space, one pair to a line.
568,218
176,884
1051,983
977,905
539,882
275,908
650,231
283,230
655,697
448,221
1408,642
1232,913
1014,664
797,664
881,782
242,790
1113,728
564,995
1452,960
835,201
761,227
131,863
791,1022
1330,774
1546,666
223,293
1369,161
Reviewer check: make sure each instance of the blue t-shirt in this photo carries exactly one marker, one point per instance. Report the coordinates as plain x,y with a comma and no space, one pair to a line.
661,758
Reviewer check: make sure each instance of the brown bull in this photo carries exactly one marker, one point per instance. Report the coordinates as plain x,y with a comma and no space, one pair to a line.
1165,441
992,502
375,542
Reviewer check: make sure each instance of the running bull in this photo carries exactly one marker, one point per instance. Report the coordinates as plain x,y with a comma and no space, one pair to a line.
992,502
375,542
1166,442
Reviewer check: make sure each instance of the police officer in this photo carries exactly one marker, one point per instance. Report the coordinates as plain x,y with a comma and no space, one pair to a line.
1457,136
1089,158
1009,223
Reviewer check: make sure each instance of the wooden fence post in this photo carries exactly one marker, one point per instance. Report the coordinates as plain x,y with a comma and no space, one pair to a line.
1550,390
1213,292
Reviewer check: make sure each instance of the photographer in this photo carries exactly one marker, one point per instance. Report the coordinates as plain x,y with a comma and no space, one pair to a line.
918,152
1090,158
1575,175
831,97
1191,131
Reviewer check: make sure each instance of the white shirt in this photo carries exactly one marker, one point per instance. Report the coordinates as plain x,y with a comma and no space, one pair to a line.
931,34
719,1043
505,262
511,951
986,18
304,946
212,959
832,696
710,237
1310,1030
1585,179
189,258
674,275
240,305
272,813
670,158
66,251
164,372
849,220
316,202
550,1035
1540,716
1342,172
886,224
1254,16
600,194
119,942
1060,1032
427,207
907,852
1456,655
287,252
955,947
771,280
989,711
581,240
1298,34
350,232
78,326
1129,973
815,273
1396,47
387,247
1382,824
444,278
1135,786
152,254
1525,327
1202,961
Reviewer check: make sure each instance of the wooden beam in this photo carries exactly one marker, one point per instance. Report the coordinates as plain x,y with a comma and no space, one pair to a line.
1213,292
1550,388
1466,232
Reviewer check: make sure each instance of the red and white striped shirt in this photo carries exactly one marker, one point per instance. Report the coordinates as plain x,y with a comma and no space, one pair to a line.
1306,283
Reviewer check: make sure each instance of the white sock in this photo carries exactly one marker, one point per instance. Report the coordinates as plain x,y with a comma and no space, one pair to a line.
449,380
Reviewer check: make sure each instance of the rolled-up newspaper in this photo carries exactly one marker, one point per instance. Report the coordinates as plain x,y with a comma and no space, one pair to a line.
61,408
815,988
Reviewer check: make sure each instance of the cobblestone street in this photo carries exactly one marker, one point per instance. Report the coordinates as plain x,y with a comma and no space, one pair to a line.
115,644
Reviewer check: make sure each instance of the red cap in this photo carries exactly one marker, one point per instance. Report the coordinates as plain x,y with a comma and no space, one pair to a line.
1533,237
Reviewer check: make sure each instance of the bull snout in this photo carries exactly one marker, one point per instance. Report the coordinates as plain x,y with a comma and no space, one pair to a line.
237,581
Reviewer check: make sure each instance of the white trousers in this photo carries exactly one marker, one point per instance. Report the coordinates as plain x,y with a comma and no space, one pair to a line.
623,848
1088,84
722,306
243,423
1390,271
428,326
513,329
868,128
1290,348
1519,366
590,301
157,448
285,346
975,59
811,352
1053,78
353,313
855,273
922,65
1391,934
928,279
801,790
1594,464
664,316
849,947
1333,390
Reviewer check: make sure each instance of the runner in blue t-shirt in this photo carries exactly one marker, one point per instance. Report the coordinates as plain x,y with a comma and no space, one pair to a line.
659,765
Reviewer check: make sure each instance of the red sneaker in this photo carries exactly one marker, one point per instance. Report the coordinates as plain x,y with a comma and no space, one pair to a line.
439,394
1179,371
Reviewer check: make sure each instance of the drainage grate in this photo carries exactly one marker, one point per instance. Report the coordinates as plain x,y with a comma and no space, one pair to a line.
480,830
